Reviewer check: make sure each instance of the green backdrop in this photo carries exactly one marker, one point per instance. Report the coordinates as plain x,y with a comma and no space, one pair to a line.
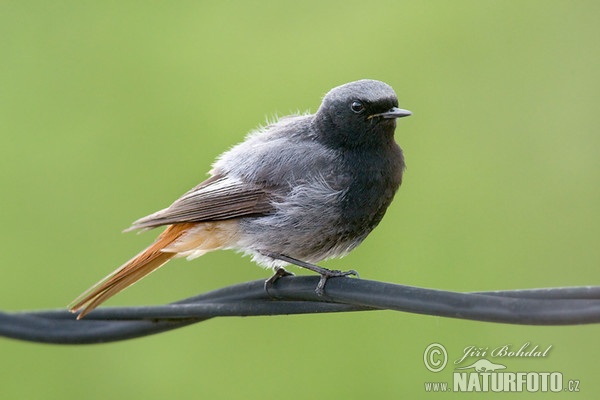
110,110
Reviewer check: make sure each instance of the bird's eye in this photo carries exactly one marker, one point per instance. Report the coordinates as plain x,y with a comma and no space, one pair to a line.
357,106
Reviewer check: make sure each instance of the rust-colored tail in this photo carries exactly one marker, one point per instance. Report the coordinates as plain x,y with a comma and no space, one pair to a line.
132,271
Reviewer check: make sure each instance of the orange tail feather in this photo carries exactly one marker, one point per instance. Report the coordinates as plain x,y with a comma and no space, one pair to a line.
132,271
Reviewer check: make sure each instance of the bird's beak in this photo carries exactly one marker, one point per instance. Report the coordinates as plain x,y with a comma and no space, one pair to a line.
394,112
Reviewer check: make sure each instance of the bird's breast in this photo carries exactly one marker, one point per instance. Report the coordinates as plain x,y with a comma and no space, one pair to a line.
375,179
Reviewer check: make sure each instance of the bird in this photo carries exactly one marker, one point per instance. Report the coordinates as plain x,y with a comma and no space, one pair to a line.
303,189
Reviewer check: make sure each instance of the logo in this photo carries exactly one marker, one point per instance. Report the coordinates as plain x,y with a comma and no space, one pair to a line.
484,365
481,369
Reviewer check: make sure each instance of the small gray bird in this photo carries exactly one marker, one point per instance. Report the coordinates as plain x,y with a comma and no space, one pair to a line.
301,190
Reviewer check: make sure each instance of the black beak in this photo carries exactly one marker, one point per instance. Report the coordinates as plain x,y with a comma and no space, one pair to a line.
393,112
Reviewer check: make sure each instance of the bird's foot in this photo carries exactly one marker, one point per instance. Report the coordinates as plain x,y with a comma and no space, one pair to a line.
279,273
331,273
324,272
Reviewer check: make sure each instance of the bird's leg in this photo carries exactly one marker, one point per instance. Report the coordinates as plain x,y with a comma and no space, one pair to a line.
324,272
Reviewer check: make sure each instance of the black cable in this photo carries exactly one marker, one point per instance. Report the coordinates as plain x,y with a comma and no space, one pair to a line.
296,295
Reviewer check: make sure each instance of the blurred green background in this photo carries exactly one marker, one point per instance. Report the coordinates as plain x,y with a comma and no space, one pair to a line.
110,110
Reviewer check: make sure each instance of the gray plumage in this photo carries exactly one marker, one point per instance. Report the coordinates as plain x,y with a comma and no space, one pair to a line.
311,186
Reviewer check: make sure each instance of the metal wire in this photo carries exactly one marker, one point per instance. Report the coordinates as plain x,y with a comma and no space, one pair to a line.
296,295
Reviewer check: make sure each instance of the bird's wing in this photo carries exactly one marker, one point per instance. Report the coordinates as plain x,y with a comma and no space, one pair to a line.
217,198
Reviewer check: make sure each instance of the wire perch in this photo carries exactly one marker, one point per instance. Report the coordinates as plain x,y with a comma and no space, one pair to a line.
296,295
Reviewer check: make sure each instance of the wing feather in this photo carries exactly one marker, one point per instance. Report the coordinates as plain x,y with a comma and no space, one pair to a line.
217,198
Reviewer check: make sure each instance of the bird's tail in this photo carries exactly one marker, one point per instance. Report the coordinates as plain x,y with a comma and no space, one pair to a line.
132,271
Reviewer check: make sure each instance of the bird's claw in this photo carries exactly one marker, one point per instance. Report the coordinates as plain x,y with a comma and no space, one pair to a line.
328,273
279,273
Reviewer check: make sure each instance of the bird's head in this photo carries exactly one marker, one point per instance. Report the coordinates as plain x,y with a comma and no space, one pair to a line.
359,113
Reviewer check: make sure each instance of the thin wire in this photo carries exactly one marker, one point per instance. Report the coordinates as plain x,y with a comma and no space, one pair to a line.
296,295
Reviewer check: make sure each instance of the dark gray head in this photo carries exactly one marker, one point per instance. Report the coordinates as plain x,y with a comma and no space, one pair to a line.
361,113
